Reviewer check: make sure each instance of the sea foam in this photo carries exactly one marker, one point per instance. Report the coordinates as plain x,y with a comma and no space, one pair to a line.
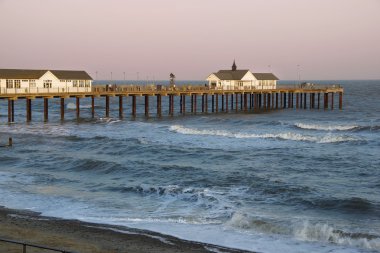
326,127
281,136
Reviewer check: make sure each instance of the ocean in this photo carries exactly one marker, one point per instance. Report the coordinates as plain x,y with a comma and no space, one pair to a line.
271,181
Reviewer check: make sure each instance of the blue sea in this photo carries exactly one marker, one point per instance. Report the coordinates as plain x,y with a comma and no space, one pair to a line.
271,181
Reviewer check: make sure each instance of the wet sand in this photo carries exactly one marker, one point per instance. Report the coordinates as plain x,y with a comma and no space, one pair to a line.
83,237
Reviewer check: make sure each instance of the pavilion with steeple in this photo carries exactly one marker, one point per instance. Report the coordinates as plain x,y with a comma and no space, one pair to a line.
239,79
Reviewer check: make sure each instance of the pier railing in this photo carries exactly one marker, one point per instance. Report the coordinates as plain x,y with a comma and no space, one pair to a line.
25,245
156,88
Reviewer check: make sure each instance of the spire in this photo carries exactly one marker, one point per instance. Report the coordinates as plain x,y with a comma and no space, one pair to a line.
234,66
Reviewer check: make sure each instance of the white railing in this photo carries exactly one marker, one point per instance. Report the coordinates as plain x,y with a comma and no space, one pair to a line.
44,90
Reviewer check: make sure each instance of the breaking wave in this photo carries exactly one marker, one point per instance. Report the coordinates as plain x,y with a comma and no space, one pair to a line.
325,128
336,127
305,231
281,136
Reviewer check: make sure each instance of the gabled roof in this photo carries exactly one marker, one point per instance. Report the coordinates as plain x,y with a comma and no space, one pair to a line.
231,74
36,74
265,76
21,73
71,74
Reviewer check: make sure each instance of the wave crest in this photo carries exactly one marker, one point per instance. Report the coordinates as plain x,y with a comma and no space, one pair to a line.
325,128
281,136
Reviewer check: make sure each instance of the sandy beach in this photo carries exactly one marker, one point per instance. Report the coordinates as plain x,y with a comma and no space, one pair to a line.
77,236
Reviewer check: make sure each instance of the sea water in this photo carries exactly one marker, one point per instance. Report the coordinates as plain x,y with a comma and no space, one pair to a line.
272,181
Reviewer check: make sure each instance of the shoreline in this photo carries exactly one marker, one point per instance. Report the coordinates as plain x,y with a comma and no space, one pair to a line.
86,237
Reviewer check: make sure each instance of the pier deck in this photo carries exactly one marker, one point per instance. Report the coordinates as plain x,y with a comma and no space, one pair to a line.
248,99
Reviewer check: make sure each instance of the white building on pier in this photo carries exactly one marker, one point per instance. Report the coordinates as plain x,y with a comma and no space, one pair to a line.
44,81
235,79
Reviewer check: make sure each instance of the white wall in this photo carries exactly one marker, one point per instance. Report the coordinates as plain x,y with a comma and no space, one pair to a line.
56,87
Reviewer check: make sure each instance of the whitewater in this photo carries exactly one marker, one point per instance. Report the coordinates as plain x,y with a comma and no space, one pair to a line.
280,181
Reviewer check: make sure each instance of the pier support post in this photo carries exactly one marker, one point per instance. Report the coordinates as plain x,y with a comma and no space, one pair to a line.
276,100
107,106
236,102
195,103
332,100
232,102
326,98
301,100
159,111
203,103
285,96
192,103
206,103
216,103
180,103
11,117
340,100
310,101
222,102
62,108
93,106
241,101
171,105
28,110
212,103
184,104
265,101
77,107
46,109
120,106
146,106
297,100
226,102
319,98
304,100
289,100
134,105
245,102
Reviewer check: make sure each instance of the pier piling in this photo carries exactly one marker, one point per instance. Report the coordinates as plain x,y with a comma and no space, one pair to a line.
146,105
92,106
107,106
28,110
62,108
77,107
46,109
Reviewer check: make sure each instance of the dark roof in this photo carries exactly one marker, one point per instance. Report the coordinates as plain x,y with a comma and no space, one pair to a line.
36,74
21,74
231,74
71,74
265,76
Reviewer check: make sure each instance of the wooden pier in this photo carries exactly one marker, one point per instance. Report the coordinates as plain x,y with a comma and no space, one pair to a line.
209,100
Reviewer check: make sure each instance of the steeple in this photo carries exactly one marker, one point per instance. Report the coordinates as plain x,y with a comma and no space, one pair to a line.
234,66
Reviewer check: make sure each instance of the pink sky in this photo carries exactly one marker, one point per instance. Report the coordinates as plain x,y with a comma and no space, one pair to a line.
329,39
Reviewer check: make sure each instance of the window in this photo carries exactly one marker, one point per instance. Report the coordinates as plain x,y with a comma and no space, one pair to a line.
88,83
17,84
62,81
24,81
47,83
75,83
9,84
32,83
81,83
